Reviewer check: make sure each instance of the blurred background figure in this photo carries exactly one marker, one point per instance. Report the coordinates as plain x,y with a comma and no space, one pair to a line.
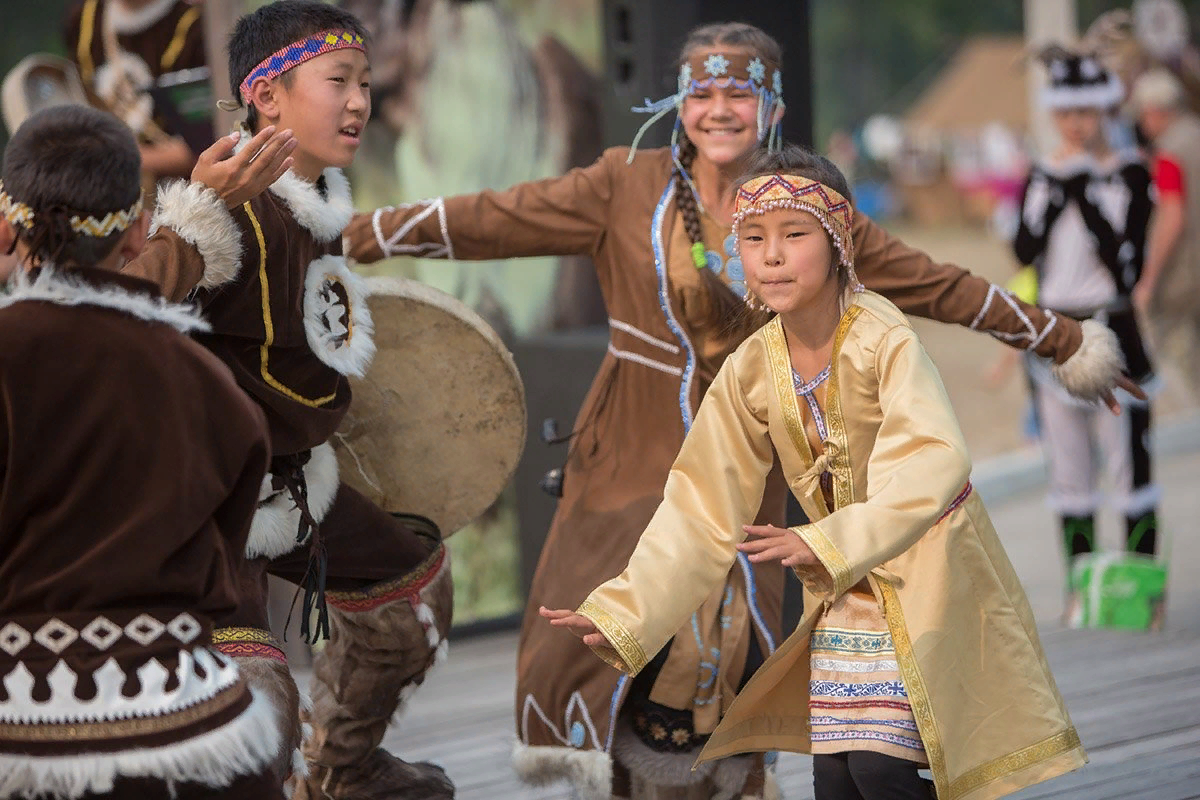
1084,214
1169,290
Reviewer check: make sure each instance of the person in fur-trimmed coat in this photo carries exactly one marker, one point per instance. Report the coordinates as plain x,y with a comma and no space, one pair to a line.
132,465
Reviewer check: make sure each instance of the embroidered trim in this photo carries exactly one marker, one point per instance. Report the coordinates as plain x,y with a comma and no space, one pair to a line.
22,215
235,634
781,371
575,701
664,303
644,361
87,731
264,349
1032,336
390,246
83,49
839,460
252,650
633,657
616,324
61,288
1048,748
407,587
297,53
828,554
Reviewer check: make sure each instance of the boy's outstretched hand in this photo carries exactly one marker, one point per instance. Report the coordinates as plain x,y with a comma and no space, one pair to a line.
242,176
776,544
576,624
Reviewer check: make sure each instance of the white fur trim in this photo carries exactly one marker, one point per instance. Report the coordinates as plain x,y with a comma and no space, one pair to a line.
299,764
273,530
442,655
243,746
327,321
61,288
588,771
200,217
125,20
325,217
1095,366
1102,96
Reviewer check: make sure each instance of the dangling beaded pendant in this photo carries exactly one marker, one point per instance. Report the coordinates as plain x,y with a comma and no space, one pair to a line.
752,302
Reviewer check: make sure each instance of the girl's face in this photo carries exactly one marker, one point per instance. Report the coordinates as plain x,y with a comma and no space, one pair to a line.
722,123
788,258
1079,128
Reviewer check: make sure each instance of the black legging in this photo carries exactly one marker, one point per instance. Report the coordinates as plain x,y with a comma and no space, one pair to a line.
865,775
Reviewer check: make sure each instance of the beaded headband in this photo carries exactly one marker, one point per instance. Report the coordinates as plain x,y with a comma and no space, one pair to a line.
708,68
297,53
22,215
772,192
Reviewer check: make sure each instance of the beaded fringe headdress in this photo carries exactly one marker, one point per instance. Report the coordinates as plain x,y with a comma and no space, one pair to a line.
21,215
772,192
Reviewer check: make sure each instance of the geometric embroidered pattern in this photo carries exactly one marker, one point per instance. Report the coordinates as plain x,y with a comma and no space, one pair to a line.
297,53
22,215
144,629
838,689
770,192
14,638
101,633
55,635
184,627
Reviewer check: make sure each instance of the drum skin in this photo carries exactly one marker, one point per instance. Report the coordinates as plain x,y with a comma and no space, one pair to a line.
438,424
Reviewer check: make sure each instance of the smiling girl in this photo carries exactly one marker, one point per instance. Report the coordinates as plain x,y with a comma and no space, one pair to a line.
918,647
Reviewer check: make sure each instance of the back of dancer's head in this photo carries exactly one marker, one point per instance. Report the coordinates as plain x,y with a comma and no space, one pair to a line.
71,161
267,30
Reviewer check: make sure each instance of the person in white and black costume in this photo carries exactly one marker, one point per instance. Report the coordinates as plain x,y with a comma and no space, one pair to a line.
1084,214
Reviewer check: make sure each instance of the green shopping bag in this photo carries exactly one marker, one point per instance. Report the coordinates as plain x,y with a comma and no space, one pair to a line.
1122,591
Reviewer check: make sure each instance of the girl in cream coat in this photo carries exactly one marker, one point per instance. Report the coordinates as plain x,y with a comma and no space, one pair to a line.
918,648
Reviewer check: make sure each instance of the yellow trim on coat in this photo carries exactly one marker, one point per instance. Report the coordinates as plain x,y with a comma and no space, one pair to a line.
781,371
83,49
178,40
633,657
268,325
1051,746
839,459
831,558
914,685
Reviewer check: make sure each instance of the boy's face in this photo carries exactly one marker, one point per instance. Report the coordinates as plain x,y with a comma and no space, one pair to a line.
1079,127
326,105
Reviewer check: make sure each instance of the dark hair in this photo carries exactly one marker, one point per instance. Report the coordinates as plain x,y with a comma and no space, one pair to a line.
69,161
273,27
791,160
726,304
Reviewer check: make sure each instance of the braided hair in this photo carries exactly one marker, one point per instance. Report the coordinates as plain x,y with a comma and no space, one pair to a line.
727,307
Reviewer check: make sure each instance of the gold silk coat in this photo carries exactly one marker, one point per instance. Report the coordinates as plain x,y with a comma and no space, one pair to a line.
981,691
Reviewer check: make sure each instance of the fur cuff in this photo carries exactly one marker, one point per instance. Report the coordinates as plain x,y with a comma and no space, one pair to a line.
1095,366
588,771
198,215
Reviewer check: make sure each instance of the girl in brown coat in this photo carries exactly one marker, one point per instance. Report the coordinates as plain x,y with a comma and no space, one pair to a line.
657,228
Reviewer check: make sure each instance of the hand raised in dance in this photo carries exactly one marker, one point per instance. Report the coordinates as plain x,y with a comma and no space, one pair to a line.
238,177
776,544
579,625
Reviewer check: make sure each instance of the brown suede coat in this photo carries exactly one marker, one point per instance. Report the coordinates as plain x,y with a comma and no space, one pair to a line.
634,418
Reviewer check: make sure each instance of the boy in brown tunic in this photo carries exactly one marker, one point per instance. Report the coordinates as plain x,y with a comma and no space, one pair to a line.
292,323
158,47
132,464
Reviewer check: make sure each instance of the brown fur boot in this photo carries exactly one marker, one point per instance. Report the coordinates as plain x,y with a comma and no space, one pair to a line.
383,642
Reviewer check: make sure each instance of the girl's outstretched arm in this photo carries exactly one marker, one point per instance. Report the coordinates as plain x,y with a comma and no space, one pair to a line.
715,487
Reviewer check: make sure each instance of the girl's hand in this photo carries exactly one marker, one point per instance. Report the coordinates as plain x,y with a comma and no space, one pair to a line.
576,624
776,544
238,177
